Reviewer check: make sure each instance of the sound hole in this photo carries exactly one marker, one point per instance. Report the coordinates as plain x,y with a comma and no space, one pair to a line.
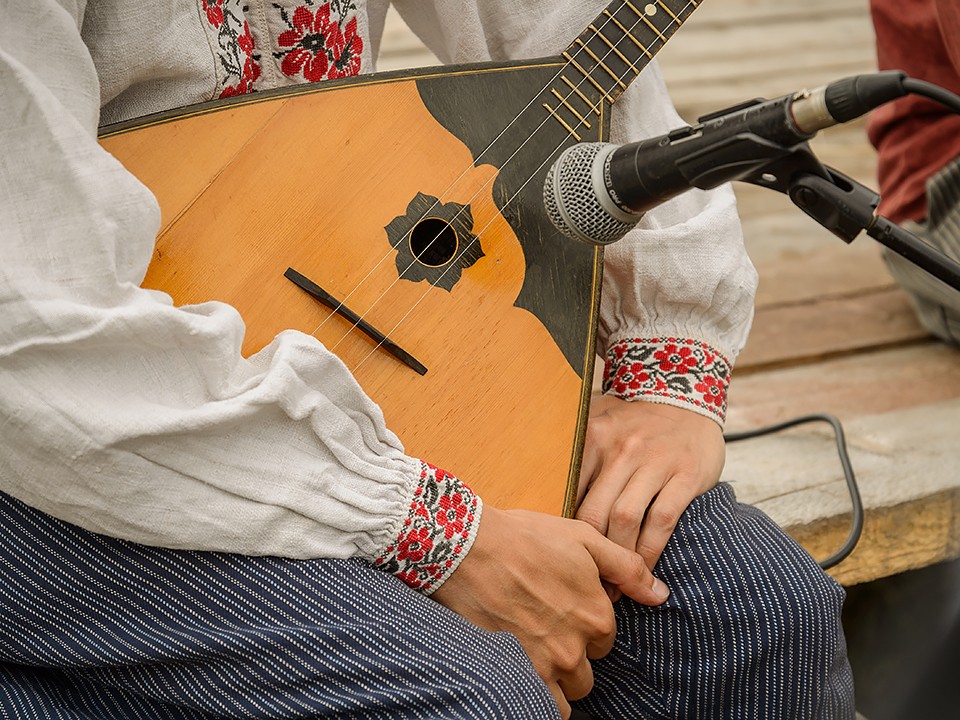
433,242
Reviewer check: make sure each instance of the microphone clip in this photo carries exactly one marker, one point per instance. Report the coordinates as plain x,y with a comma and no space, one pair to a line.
839,203
846,208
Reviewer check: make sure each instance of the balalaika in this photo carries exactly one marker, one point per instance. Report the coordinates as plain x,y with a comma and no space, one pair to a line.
399,218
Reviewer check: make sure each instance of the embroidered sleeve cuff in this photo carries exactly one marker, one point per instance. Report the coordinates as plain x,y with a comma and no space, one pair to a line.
437,532
686,373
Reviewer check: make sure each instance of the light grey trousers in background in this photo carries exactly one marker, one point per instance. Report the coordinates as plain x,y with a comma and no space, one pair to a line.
936,303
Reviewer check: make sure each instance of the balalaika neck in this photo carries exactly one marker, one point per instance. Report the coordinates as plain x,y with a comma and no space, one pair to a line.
606,57
620,42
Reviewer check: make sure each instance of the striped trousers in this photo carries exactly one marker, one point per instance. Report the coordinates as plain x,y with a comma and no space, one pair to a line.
97,628
937,304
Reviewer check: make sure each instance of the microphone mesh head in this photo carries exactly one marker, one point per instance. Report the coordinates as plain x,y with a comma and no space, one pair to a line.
572,201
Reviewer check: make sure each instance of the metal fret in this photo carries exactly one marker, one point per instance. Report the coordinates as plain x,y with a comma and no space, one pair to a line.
615,50
628,34
653,27
583,97
599,62
570,107
677,20
643,16
563,122
588,76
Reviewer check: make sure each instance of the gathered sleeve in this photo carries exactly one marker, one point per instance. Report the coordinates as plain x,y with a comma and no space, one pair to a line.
130,417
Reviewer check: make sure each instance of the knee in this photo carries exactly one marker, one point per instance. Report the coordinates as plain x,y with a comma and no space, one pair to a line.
759,615
799,645
492,676
441,665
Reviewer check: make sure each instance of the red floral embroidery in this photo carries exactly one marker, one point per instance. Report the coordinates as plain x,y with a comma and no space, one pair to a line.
214,11
308,37
322,43
346,51
238,60
245,40
674,358
712,391
410,577
451,514
415,545
629,376
436,533
686,371
251,69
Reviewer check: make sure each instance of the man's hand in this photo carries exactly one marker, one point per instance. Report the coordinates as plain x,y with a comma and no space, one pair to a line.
539,577
643,464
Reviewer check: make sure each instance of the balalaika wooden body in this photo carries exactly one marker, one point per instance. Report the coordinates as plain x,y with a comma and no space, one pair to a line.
415,200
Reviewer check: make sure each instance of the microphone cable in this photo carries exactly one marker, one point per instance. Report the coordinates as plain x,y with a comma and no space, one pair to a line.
932,92
856,527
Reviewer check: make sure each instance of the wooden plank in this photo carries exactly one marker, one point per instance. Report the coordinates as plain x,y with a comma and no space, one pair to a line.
758,52
731,52
853,386
789,236
906,462
895,539
706,36
827,327
826,302
830,273
733,13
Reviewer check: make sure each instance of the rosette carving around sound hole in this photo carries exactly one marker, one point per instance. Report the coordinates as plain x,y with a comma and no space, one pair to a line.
434,241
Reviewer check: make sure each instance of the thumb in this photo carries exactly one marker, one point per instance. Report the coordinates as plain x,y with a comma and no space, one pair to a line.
626,570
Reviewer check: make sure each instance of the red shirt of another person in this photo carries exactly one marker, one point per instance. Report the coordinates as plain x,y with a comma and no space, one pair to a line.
915,137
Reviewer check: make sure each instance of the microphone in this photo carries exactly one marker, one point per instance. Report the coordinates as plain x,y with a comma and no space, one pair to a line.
597,192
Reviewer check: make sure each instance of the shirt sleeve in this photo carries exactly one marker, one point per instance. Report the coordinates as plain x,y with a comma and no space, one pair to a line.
130,417
678,292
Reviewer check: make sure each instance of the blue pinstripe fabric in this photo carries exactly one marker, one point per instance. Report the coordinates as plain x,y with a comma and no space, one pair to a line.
94,627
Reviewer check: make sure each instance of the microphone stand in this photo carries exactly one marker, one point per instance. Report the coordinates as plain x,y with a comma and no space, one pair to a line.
840,204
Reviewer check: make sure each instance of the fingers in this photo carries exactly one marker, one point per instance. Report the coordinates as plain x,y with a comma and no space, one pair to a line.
604,633
589,467
612,591
577,682
533,575
661,521
626,570
627,514
574,678
619,498
564,661
647,463
604,491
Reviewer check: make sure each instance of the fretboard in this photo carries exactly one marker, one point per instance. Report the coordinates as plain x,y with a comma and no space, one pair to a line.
606,57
